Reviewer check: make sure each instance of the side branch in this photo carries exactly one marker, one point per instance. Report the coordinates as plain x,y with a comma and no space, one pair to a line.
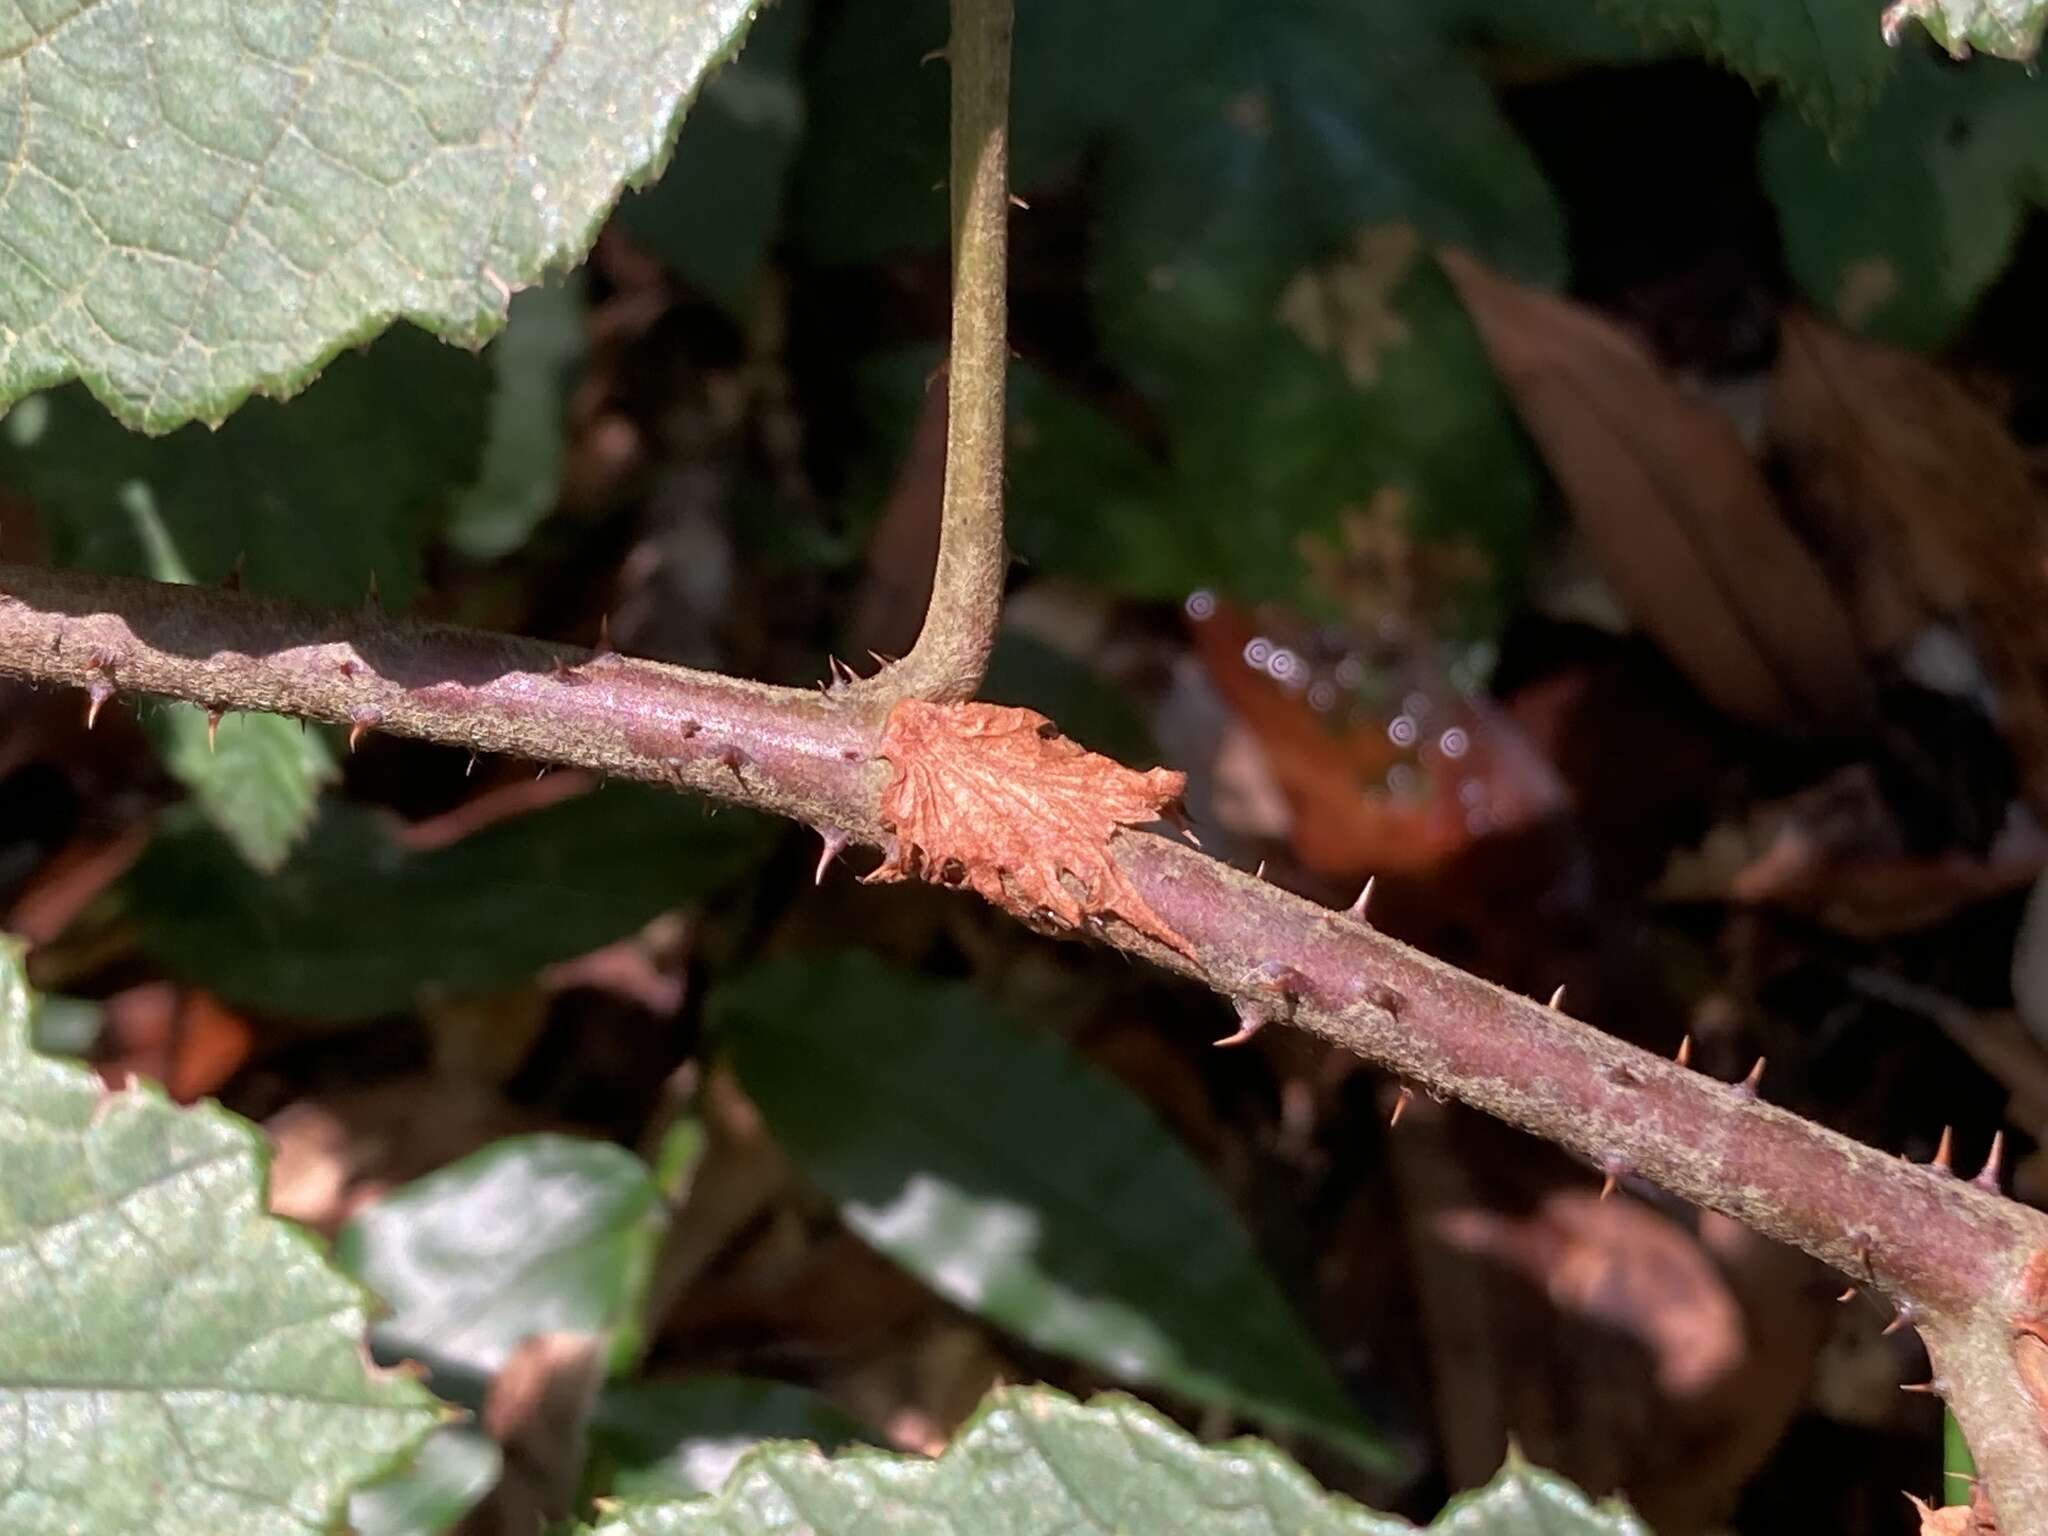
951,654
792,751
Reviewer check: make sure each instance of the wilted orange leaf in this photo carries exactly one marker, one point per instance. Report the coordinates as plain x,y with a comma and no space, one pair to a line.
996,799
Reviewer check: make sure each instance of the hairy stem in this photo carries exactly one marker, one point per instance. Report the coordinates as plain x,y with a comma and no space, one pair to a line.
797,752
952,649
1954,1255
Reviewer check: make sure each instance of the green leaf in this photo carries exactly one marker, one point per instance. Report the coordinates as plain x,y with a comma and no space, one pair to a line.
260,786
1034,1462
446,1480
172,1359
1828,56
2008,29
208,200
1371,111
533,1234
1300,124
718,207
310,500
1022,1184
664,1440
1084,500
1899,230
257,778
355,925
527,439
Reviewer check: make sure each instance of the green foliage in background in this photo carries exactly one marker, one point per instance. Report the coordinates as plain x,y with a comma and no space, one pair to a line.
927,1117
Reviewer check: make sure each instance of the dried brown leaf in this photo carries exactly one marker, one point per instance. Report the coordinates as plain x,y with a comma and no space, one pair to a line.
1932,503
996,799
1678,515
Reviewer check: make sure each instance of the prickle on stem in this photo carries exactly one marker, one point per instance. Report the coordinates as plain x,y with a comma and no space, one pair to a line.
835,840
1401,1102
1987,1176
1362,903
360,724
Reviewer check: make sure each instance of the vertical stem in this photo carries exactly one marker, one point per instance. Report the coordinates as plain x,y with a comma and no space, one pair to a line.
967,584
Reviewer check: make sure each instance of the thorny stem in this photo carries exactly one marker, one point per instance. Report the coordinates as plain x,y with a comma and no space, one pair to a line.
1952,1254
1957,1258
952,649
797,752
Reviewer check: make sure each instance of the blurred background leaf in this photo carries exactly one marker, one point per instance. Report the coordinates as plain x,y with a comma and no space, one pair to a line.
714,213
1827,56
533,1234
519,473
672,1439
446,1479
307,500
356,924
924,1114
1897,229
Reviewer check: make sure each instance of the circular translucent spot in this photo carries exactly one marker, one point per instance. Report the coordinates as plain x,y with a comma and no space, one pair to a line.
1401,731
1454,742
1471,791
1416,704
1401,779
1322,694
1285,665
1257,651
1201,604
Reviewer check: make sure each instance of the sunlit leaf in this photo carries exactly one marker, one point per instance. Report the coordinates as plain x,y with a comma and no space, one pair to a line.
209,198
532,1234
172,1359
1033,1462
1022,1184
